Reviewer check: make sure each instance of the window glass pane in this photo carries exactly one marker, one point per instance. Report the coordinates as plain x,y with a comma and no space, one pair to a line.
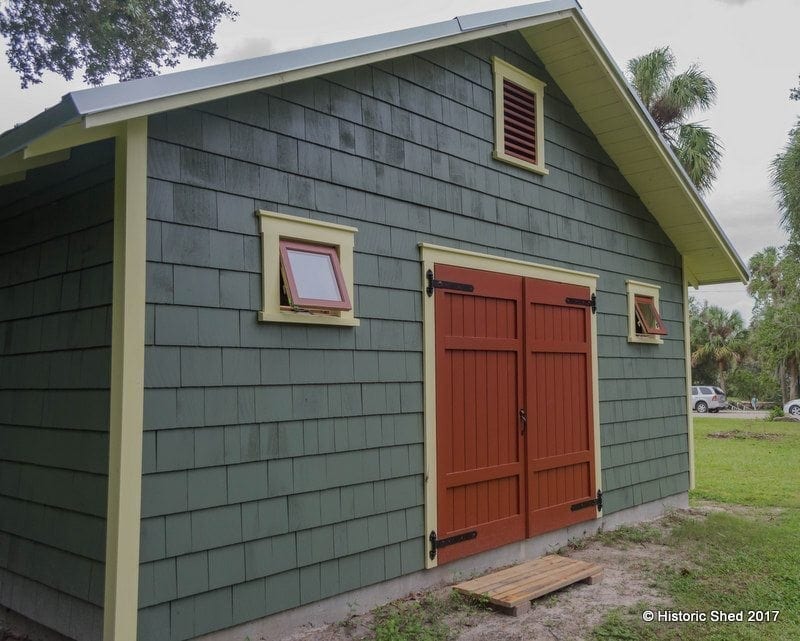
647,310
706,390
314,276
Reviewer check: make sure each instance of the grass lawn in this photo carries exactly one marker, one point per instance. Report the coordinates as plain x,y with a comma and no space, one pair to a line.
764,473
739,559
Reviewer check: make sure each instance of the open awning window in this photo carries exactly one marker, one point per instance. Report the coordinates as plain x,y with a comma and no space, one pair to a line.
648,319
312,276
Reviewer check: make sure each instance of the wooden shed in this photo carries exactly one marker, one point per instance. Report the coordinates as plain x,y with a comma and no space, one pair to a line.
276,331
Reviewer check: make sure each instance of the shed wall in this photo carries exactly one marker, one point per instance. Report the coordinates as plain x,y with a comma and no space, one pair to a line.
283,463
55,318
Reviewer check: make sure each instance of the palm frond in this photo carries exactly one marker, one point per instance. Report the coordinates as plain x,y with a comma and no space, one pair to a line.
700,153
671,99
649,73
785,177
691,90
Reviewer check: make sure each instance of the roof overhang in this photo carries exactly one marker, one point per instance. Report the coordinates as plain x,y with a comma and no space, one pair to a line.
583,69
557,32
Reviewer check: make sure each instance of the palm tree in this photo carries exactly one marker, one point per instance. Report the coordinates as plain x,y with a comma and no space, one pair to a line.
785,176
671,99
721,339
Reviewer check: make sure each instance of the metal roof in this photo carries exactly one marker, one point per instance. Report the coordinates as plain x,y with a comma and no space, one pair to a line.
95,100
558,33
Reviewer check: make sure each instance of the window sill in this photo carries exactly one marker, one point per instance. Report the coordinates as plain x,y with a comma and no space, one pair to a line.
517,162
648,340
307,319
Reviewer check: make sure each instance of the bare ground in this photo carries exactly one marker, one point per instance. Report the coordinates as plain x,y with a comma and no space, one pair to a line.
569,614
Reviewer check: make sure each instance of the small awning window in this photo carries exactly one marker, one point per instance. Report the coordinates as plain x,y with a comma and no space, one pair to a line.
648,320
312,276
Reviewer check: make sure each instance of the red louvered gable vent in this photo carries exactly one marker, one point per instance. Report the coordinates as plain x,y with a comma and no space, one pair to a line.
519,121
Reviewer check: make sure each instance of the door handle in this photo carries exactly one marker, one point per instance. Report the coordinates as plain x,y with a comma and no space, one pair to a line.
523,417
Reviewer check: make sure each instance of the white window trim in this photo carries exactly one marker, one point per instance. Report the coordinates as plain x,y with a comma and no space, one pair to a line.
274,227
501,70
639,288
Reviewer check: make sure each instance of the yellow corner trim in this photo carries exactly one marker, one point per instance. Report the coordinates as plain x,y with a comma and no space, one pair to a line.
687,345
127,384
274,227
429,256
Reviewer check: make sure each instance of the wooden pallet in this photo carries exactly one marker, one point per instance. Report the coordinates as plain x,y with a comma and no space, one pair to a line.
514,588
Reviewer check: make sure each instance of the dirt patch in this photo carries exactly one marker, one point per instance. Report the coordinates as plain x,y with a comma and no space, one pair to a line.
741,434
630,556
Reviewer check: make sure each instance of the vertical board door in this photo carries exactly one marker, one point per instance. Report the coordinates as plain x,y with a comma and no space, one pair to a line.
479,389
559,404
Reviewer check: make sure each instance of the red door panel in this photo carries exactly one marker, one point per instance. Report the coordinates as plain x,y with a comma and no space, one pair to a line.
560,435
479,387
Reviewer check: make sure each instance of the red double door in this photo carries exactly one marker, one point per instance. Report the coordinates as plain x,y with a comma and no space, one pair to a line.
514,410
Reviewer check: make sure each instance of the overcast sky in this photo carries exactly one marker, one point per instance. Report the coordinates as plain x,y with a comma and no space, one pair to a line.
747,46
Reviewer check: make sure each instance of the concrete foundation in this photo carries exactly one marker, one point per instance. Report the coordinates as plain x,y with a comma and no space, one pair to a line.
282,625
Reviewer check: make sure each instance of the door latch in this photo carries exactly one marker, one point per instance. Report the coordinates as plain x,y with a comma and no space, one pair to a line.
523,417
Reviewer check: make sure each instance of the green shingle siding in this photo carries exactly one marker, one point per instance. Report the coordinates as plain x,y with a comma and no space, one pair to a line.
301,448
55,336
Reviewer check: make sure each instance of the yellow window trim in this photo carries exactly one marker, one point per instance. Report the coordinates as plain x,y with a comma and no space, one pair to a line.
502,70
429,256
634,288
274,227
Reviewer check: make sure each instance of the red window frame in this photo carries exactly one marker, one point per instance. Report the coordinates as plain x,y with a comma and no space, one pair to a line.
291,284
640,302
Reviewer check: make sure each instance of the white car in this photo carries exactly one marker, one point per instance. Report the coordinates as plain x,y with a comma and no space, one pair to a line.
707,398
793,408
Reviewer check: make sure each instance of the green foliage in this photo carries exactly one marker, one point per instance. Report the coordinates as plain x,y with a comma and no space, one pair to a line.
785,176
671,99
129,39
775,412
700,153
750,380
775,288
632,534
432,618
718,343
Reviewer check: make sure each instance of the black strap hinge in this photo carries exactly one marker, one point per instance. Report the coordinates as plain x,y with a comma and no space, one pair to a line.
433,283
450,540
584,504
586,302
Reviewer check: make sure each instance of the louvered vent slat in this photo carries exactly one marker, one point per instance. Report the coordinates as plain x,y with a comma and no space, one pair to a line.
519,121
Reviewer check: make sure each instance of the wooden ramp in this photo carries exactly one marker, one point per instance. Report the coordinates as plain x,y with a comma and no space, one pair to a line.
514,588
